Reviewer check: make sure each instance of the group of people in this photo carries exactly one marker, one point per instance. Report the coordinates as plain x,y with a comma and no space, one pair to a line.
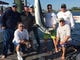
11,20
61,34
18,27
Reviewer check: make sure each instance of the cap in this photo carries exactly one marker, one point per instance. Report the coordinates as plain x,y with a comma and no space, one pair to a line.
61,20
14,5
63,6
31,6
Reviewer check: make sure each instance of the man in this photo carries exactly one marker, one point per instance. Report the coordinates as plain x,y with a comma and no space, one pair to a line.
50,22
28,21
27,18
31,10
67,15
21,37
9,22
64,34
35,28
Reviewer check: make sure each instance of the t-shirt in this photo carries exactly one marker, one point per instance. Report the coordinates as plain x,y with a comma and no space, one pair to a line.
63,31
50,19
28,21
67,17
20,35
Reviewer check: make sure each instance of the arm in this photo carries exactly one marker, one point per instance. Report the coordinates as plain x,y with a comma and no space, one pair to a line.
72,20
26,35
65,40
16,37
54,26
4,19
54,18
58,35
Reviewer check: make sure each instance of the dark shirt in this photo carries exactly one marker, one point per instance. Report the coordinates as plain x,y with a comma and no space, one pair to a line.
10,19
28,21
0,20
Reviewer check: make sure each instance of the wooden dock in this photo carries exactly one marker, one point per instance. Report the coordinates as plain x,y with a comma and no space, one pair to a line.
39,54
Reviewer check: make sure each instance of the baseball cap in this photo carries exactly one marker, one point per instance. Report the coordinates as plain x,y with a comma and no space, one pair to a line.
31,6
63,6
14,5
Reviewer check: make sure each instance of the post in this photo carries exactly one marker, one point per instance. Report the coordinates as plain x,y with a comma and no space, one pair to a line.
25,2
19,5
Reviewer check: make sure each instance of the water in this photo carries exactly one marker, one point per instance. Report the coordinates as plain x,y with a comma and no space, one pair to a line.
76,13
76,35
76,31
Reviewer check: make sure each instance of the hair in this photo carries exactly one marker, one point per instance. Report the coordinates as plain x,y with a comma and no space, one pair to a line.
62,20
19,23
63,6
49,5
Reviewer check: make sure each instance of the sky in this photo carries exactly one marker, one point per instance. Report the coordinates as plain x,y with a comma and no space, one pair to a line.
55,3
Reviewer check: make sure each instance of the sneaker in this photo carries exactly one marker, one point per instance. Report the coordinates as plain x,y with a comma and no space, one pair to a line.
19,57
3,57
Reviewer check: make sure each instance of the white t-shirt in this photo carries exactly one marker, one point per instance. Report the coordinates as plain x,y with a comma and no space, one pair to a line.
20,35
50,19
63,31
67,17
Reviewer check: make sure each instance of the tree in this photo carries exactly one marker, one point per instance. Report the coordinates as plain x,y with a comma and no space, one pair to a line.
75,9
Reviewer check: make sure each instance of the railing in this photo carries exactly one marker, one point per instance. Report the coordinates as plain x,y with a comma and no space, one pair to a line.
76,18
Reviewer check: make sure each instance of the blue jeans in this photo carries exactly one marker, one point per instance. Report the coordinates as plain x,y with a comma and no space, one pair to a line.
8,35
35,30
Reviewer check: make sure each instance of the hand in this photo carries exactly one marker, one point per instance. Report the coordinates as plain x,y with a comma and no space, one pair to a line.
22,41
62,42
35,25
48,32
3,27
72,27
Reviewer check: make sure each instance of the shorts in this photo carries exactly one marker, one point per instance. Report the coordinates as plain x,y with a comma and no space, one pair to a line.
67,43
63,45
15,43
52,35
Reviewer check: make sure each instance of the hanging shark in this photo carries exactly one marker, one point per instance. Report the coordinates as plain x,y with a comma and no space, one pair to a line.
39,17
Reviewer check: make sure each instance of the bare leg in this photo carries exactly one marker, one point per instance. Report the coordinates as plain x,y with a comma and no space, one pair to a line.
55,45
63,53
17,48
18,53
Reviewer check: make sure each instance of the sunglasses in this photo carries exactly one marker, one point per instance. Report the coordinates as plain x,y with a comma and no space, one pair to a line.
49,8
